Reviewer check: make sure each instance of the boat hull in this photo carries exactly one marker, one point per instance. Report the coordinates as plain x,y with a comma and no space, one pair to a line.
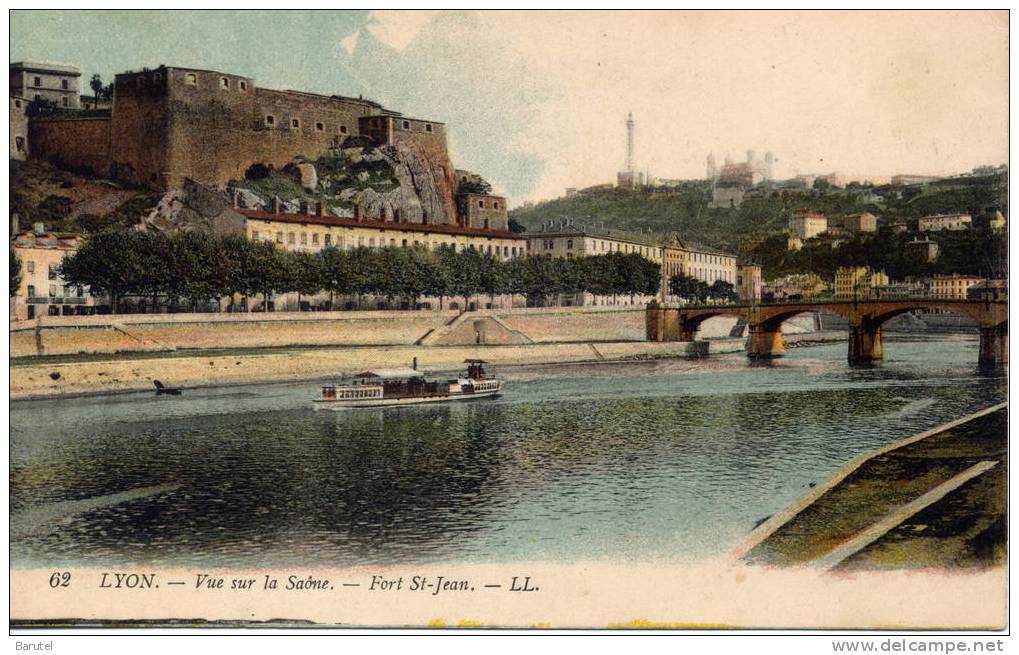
399,402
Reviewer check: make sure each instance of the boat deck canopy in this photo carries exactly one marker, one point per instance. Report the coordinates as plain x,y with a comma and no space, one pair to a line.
390,373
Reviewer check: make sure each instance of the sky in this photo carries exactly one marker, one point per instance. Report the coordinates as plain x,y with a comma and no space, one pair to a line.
537,101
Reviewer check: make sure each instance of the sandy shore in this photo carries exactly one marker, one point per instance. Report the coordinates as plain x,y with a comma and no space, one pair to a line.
110,374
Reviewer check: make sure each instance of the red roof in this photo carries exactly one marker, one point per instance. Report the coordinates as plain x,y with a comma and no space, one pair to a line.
336,221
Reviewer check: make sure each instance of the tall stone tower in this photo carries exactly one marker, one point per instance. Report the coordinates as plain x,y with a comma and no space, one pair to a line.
629,142
712,168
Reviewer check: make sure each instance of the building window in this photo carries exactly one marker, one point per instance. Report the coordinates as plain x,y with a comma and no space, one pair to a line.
291,238
328,239
406,125
31,267
569,244
31,291
254,235
304,238
314,239
404,244
428,127
190,79
320,127
38,97
495,205
295,123
481,204
37,81
279,237
53,291
51,273
270,120
371,242
224,83
17,103
19,143
343,129
158,77
63,84
64,101
392,243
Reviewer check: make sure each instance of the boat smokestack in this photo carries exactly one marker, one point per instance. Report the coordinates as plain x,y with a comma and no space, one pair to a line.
414,364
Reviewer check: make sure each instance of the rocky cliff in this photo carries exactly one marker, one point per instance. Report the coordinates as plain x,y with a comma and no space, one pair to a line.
402,182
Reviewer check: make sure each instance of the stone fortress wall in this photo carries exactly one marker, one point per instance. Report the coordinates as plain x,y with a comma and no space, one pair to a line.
170,124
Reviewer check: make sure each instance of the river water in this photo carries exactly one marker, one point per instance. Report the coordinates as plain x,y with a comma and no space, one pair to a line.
643,461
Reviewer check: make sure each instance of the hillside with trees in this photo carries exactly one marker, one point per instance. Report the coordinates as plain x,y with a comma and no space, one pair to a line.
764,213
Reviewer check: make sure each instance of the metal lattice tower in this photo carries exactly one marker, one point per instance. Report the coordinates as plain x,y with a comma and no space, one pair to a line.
629,142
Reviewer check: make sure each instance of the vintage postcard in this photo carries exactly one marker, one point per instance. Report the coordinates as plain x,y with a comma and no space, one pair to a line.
614,320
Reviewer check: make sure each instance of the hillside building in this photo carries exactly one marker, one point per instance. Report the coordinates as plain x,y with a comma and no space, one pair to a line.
806,224
949,222
923,250
858,223
34,80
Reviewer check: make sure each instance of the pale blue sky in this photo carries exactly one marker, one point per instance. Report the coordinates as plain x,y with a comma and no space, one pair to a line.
537,101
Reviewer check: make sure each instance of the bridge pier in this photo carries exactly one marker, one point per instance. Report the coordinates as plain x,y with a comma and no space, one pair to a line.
764,342
994,346
865,344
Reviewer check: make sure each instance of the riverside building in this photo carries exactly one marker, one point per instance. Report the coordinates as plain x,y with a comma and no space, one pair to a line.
42,292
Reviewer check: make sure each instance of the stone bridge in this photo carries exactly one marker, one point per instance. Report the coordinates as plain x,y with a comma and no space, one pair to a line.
865,317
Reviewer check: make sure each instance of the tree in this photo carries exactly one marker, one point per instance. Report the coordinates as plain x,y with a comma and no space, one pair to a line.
270,270
336,274
465,274
97,89
15,273
541,278
304,273
241,260
722,290
439,273
108,262
688,288
41,107
492,279
478,185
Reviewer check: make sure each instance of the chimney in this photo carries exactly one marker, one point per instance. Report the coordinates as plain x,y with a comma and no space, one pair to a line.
414,364
357,212
303,205
275,204
320,208
237,199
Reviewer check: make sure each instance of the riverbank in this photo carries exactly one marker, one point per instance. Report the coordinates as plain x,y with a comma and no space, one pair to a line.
934,500
108,376
94,355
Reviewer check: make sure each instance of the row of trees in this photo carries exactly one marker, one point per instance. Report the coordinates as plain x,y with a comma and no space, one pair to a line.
190,268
